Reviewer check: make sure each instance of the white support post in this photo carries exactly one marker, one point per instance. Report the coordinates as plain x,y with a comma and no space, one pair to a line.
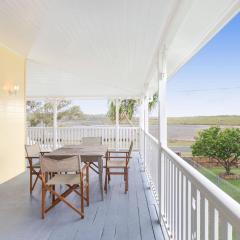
117,123
162,82
146,127
141,116
146,122
162,118
141,125
55,124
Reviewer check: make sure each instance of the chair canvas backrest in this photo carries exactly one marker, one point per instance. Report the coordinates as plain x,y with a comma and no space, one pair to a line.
33,150
92,140
60,163
130,149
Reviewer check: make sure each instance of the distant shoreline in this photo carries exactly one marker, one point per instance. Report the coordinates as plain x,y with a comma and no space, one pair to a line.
181,132
227,120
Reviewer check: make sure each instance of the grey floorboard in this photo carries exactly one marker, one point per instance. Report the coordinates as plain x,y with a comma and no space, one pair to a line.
120,216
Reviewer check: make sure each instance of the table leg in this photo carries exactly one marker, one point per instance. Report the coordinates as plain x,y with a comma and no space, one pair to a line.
100,167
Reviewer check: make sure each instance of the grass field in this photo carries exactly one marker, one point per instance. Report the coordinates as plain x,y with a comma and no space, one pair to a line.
206,120
231,187
229,120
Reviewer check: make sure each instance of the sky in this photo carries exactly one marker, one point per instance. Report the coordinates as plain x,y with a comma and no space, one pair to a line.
209,84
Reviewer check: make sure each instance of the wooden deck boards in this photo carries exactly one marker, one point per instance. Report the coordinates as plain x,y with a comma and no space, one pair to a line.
120,216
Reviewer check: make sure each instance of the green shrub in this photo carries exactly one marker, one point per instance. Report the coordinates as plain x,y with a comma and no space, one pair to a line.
220,144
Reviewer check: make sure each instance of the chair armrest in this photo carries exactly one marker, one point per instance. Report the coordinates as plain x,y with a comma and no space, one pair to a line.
44,152
117,157
118,151
30,158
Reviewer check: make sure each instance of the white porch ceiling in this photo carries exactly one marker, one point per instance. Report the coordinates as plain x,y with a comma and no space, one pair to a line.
106,48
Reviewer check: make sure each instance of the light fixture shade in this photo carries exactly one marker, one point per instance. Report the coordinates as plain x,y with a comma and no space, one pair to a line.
11,89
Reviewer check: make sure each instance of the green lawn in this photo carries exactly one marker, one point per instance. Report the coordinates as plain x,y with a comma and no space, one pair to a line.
206,120
231,187
230,120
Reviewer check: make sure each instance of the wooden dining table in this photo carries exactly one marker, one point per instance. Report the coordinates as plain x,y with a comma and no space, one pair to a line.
90,153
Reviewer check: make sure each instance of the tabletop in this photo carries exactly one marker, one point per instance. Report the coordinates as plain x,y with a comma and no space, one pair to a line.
82,149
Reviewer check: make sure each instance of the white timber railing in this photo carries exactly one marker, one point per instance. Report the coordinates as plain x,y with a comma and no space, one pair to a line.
151,162
44,136
191,206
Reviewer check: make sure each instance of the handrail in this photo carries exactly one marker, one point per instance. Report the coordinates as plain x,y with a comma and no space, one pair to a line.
92,126
222,200
151,136
189,203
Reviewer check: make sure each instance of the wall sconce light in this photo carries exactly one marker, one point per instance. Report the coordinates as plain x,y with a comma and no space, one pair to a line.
11,89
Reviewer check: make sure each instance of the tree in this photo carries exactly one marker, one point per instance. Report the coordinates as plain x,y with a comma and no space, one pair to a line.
153,103
39,112
128,107
220,144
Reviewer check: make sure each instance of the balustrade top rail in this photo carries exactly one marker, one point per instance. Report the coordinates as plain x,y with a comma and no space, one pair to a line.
73,135
215,194
191,206
222,201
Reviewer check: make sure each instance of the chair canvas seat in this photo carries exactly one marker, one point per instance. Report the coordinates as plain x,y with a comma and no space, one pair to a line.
35,165
70,179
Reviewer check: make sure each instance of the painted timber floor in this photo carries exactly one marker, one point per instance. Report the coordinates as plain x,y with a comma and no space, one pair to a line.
120,216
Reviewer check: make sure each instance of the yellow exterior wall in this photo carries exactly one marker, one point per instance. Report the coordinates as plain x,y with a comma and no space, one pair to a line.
12,115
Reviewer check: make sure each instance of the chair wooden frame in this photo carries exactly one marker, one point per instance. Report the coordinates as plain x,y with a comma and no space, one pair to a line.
34,170
57,197
126,156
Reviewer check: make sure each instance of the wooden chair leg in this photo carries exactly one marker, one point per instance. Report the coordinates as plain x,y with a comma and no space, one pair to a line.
87,179
108,180
62,198
30,181
53,196
43,200
36,179
105,183
126,181
82,195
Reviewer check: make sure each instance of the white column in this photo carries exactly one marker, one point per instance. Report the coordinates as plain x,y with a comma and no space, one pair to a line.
141,114
146,128
146,122
117,123
141,126
162,118
55,114
162,82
